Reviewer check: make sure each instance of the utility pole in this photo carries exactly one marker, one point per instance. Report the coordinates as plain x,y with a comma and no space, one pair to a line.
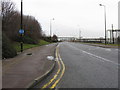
79,34
112,34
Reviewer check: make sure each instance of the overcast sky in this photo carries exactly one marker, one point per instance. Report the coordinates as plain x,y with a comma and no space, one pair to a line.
72,15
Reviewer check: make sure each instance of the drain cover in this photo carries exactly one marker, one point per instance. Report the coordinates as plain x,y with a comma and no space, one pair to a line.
29,53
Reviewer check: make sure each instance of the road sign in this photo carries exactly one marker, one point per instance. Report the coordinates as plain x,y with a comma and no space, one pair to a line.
21,31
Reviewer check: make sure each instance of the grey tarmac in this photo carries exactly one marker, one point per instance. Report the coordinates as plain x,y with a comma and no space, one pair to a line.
88,66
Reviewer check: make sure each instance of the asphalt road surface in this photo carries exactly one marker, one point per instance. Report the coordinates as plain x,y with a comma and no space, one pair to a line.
88,66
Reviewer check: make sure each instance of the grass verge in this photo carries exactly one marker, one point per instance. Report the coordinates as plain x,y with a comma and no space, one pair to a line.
27,46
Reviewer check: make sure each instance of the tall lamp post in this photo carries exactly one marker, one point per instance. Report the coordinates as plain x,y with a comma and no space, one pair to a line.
21,44
79,34
79,37
105,19
51,28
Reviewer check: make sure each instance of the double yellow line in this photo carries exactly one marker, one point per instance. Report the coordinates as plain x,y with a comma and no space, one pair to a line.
60,72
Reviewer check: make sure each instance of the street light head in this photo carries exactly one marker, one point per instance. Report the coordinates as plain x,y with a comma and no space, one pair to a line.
100,4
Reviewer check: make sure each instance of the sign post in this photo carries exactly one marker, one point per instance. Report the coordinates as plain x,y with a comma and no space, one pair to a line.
21,31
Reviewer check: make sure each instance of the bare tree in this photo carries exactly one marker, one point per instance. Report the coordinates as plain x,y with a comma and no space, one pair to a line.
7,15
11,22
32,27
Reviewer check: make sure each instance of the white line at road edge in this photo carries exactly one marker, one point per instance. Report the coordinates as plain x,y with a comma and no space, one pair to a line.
100,58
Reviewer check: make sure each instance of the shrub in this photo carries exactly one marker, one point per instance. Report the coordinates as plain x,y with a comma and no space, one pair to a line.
48,39
26,39
8,51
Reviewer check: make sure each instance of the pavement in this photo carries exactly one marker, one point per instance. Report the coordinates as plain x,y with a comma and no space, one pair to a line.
89,66
55,76
21,71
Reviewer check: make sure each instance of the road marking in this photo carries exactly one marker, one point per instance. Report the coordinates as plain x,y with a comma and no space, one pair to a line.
58,57
100,58
55,76
63,71
108,49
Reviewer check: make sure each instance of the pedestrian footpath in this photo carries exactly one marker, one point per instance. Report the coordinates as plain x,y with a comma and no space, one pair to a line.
20,71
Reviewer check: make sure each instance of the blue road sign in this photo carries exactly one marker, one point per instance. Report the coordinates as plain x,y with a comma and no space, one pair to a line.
21,31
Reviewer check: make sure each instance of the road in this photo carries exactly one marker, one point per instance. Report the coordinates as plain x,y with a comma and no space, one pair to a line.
88,66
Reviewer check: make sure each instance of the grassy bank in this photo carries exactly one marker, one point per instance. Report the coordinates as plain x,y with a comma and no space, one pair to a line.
27,46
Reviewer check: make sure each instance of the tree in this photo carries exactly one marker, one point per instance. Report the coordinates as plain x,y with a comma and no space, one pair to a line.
7,12
11,20
54,38
32,28
8,15
11,24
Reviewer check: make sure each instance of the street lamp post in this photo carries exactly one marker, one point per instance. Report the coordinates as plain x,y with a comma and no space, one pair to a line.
21,44
105,19
79,34
79,37
51,28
